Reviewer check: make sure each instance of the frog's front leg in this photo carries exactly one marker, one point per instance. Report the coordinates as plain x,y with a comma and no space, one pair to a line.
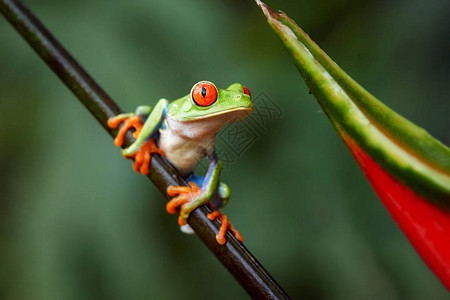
144,145
189,198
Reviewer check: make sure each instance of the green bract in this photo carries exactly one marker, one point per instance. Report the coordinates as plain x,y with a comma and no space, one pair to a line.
405,150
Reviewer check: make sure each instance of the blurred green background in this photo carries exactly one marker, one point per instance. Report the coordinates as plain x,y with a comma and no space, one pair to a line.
76,221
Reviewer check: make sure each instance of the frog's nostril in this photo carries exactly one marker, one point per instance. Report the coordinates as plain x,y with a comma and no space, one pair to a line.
246,91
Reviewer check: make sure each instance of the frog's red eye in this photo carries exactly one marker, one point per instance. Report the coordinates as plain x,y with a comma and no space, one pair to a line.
246,91
204,93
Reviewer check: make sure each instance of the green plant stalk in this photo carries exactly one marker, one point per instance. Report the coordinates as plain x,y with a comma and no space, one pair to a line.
407,151
408,169
233,255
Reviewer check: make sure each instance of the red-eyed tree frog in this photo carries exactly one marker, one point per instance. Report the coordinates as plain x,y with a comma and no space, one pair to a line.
183,131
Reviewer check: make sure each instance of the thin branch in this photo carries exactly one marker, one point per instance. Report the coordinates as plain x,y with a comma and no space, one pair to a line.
233,255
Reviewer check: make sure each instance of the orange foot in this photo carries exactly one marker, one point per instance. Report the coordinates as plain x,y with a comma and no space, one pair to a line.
182,196
225,224
128,123
142,157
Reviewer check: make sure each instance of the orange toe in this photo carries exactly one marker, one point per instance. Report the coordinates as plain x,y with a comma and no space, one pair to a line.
182,196
142,157
128,123
224,226
177,201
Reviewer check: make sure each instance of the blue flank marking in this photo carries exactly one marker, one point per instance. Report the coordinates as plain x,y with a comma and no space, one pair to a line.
198,180
204,181
161,124
215,201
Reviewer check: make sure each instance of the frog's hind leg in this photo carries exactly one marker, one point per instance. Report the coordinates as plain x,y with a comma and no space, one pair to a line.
189,198
221,194
218,201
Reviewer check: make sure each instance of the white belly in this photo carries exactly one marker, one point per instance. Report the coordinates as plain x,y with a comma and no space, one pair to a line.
182,152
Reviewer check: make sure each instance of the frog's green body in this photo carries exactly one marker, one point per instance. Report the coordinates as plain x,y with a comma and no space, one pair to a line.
184,131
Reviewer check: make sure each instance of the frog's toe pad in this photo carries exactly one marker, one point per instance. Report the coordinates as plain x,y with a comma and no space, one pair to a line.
187,229
225,224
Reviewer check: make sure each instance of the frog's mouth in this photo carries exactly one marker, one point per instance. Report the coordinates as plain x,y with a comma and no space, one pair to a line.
233,115
208,125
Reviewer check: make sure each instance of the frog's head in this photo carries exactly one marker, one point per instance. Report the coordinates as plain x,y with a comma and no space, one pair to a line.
207,101
209,107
